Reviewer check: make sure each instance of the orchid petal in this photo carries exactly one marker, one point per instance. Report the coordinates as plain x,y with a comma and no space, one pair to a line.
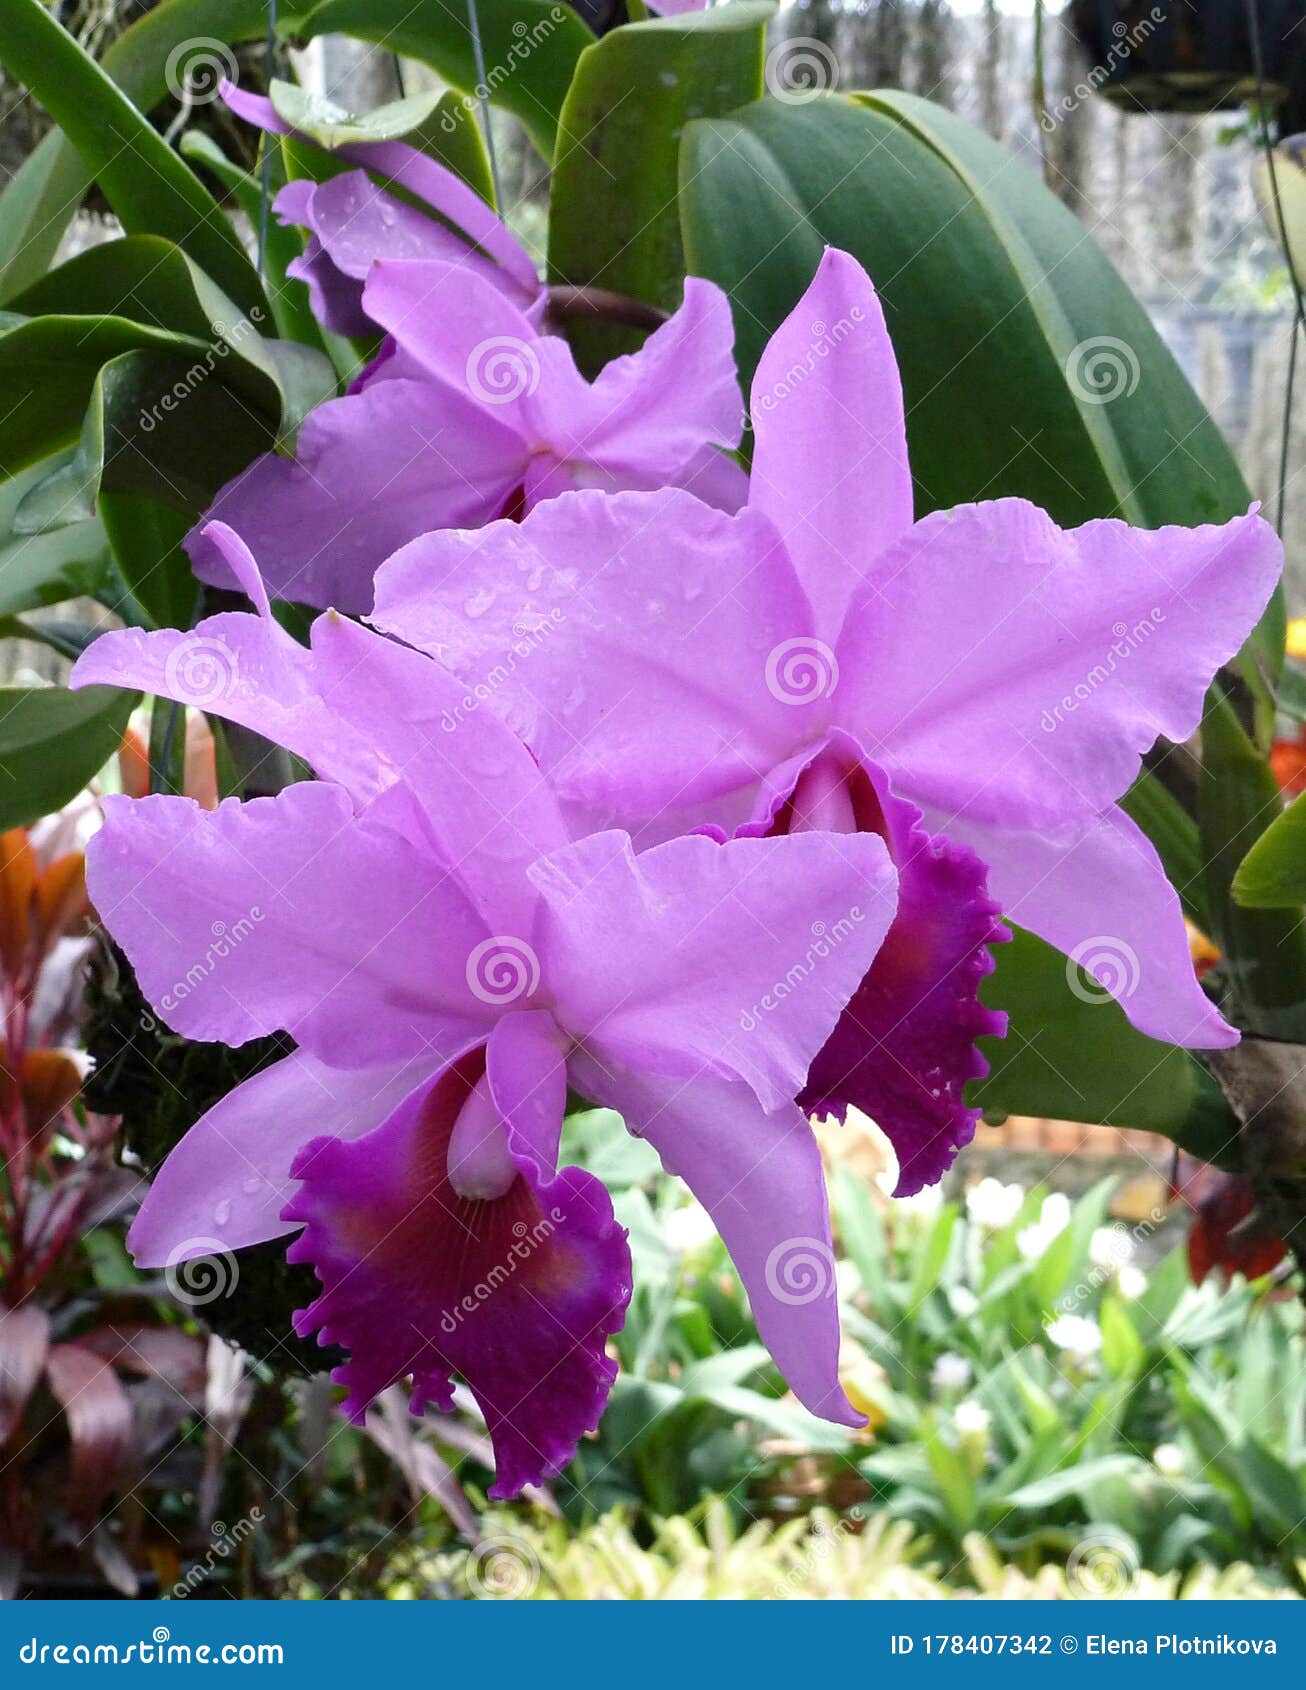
760,1178
640,643
697,958
1012,672
517,1294
225,1184
289,912
830,462
372,471
1097,891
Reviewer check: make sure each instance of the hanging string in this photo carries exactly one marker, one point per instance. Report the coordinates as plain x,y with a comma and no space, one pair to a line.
483,95
265,175
1281,227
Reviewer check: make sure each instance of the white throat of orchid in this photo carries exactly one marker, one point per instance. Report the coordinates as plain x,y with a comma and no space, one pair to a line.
480,1163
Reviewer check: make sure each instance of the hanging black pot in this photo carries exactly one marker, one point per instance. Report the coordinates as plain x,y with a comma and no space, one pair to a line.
1194,55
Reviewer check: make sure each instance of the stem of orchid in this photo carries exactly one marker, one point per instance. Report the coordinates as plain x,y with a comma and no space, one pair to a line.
567,301
480,1163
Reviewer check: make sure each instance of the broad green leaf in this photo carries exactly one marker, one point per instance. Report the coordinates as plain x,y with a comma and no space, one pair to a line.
52,742
48,367
996,299
1123,1351
149,186
164,428
284,243
530,49
1071,1054
1264,949
42,569
145,61
150,281
613,219
1273,873
146,537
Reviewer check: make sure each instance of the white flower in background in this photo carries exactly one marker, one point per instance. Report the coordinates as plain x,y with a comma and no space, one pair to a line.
688,1229
951,1372
992,1204
964,1301
1076,1335
971,1419
1131,1282
1110,1247
1168,1459
1054,1217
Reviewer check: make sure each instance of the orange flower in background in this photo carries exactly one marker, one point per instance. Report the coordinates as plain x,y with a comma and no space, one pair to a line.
40,901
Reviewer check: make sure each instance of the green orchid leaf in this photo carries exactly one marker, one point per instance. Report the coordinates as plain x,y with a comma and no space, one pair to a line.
1273,873
152,190
1071,1054
530,49
148,62
52,742
613,218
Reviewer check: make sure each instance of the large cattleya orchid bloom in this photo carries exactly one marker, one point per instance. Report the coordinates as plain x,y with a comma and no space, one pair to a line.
448,964
473,413
976,687
352,222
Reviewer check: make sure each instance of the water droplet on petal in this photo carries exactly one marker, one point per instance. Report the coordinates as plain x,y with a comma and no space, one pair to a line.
480,602
222,1213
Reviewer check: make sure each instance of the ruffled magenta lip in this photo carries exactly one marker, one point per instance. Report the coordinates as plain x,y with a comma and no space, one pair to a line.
516,1295
904,1049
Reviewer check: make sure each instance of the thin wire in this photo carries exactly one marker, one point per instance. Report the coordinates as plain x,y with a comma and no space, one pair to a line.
483,95
265,176
1299,307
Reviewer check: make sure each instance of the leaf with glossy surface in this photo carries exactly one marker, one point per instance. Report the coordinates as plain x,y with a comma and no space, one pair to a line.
530,47
1273,873
52,742
144,180
40,199
1072,1055
613,219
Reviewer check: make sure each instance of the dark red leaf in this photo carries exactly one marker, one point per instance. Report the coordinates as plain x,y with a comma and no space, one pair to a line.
99,1423
24,1344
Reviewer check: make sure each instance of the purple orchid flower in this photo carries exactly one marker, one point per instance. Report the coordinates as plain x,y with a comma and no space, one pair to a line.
352,222
976,687
447,964
473,413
